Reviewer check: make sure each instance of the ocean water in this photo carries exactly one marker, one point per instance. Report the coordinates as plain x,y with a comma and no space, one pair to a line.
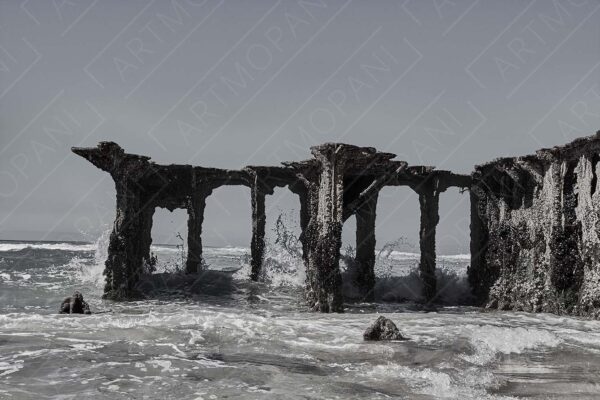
235,339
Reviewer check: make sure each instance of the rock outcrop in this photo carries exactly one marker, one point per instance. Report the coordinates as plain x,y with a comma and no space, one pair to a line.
383,329
74,305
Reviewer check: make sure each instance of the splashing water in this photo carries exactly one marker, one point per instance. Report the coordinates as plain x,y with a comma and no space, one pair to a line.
93,273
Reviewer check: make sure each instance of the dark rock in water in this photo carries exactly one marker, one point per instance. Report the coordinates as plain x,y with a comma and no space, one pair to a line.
383,329
74,305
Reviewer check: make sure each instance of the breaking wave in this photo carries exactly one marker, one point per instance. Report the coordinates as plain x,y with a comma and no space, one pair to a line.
489,340
18,246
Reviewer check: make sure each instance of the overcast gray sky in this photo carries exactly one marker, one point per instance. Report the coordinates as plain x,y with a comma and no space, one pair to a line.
231,83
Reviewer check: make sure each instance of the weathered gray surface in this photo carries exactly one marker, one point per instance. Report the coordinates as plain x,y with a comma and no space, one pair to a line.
383,329
535,231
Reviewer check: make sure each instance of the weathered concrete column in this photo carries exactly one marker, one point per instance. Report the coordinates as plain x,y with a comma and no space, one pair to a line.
303,197
131,237
195,208
324,231
257,246
364,268
146,219
429,203
479,277
129,245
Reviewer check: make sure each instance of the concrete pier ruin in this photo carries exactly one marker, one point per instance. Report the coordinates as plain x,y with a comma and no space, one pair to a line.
534,220
535,231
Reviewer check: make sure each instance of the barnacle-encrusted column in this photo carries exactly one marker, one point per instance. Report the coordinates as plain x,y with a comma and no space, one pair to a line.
303,196
129,245
324,231
195,208
257,245
479,279
130,239
364,273
429,196
146,218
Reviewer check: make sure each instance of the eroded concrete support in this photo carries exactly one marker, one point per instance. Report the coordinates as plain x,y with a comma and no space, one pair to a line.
304,199
195,209
129,245
429,204
146,220
324,231
479,279
364,268
257,245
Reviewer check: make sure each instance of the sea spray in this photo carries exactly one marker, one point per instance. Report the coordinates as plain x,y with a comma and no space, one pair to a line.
282,261
93,273
396,267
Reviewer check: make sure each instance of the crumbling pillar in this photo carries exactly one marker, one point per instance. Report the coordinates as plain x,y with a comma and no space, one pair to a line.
480,279
130,240
146,217
429,204
195,208
129,245
324,231
364,268
303,197
257,246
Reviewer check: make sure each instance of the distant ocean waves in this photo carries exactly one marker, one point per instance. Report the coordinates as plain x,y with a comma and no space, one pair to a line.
6,246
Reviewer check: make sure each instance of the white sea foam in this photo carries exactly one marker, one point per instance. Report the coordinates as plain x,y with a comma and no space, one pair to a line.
17,246
457,257
403,255
207,251
93,273
9,367
439,384
489,340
